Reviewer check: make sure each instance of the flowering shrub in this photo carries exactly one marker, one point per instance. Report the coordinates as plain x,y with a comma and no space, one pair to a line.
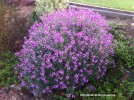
65,50
46,6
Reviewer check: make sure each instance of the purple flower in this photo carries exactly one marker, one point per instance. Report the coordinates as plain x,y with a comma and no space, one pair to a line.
55,86
47,88
67,77
61,72
23,83
76,75
50,91
32,85
44,91
68,95
89,72
64,86
73,96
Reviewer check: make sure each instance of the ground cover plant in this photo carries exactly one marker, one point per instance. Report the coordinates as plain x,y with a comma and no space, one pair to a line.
119,4
8,61
65,52
111,84
125,50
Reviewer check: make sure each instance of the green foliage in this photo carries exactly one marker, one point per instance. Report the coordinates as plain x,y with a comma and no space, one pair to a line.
124,51
58,97
34,17
7,64
47,6
111,84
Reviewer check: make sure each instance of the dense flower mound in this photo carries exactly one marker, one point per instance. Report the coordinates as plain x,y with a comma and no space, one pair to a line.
65,50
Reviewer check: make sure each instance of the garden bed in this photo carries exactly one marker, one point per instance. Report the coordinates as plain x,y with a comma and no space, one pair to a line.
118,80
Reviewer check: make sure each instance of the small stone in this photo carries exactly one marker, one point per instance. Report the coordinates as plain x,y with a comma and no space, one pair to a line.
21,94
14,94
18,87
3,90
12,86
132,24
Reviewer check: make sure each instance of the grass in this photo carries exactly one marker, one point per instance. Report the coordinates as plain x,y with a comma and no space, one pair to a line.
118,4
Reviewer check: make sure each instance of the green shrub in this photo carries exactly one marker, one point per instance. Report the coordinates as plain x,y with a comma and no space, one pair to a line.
110,84
34,17
47,6
7,64
124,51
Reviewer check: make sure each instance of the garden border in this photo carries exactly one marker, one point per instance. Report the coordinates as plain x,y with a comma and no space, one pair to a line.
108,12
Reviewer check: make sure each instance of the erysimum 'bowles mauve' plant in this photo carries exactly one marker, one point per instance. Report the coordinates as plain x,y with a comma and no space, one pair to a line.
65,50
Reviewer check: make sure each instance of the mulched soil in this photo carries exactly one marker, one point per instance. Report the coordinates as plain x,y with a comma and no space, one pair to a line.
128,28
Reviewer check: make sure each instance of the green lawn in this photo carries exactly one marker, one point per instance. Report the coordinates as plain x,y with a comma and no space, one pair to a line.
119,4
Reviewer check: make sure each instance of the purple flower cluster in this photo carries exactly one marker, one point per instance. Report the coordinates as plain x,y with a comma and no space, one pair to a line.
65,50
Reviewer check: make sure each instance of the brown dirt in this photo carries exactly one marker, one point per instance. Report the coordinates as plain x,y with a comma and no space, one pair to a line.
25,11
127,26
